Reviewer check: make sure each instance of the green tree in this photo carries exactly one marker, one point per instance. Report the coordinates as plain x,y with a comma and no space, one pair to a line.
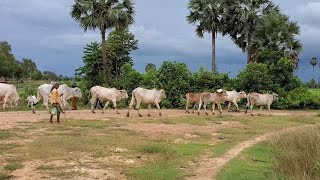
49,75
247,14
205,15
255,77
174,78
103,15
29,66
130,78
150,66
119,46
313,63
275,32
8,63
92,70
37,75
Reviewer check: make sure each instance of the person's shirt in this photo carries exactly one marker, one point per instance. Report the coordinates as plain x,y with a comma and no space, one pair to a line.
54,97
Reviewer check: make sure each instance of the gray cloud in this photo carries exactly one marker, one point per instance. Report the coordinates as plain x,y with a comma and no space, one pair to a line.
45,32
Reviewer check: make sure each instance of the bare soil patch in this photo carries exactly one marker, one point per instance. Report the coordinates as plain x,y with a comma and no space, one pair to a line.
14,119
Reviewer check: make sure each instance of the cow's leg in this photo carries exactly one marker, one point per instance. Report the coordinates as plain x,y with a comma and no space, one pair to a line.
138,107
236,104
213,107
130,106
205,107
93,101
229,105
200,103
269,109
187,105
32,106
251,107
105,106
149,108
194,106
220,108
115,106
157,104
5,99
260,110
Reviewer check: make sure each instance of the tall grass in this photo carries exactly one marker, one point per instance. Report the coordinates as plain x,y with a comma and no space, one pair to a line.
296,155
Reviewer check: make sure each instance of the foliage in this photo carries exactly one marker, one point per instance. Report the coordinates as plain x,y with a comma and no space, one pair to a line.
103,15
254,78
204,80
92,72
275,32
49,75
130,78
150,66
205,15
119,46
174,77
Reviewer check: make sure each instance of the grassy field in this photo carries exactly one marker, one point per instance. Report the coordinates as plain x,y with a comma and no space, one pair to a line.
115,149
290,155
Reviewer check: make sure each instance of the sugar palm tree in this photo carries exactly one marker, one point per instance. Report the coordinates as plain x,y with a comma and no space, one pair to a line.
248,12
103,15
313,63
205,15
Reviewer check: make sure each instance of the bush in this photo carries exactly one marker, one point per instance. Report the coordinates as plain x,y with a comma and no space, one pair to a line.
299,98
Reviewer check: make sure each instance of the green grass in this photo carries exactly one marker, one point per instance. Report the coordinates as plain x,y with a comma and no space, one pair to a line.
5,134
254,163
5,176
157,157
13,166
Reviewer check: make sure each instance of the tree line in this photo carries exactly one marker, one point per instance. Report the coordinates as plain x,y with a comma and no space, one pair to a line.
26,69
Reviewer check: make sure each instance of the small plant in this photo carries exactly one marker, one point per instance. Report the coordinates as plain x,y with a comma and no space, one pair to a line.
13,166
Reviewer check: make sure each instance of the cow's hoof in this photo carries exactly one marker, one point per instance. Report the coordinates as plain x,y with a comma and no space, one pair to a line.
149,115
102,112
128,115
118,113
93,112
198,113
207,113
160,114
252,115
140,115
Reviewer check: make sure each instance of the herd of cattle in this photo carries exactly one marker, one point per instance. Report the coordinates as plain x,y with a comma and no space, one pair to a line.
10,96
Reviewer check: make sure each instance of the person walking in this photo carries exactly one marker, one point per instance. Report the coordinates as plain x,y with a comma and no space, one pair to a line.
55,102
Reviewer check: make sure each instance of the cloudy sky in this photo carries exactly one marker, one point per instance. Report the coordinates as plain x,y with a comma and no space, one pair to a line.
44,31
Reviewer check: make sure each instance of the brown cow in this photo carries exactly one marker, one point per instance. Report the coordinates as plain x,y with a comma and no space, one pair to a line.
192,98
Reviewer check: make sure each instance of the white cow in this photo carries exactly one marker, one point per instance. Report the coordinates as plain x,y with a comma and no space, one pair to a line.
9,94
214,98
106,94
146,96
64,90
32,100
234,97
260,100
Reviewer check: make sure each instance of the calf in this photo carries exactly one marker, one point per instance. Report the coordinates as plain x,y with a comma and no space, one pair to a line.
260,100
192,98
214,98
32,100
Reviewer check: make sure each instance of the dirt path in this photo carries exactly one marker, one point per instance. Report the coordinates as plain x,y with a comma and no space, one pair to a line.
15,118
209,168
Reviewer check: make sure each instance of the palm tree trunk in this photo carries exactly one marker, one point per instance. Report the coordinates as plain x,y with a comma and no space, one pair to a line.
313,72
213,64
248,51
104,56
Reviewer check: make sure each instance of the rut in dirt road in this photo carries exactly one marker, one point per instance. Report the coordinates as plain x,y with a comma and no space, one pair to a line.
209,168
